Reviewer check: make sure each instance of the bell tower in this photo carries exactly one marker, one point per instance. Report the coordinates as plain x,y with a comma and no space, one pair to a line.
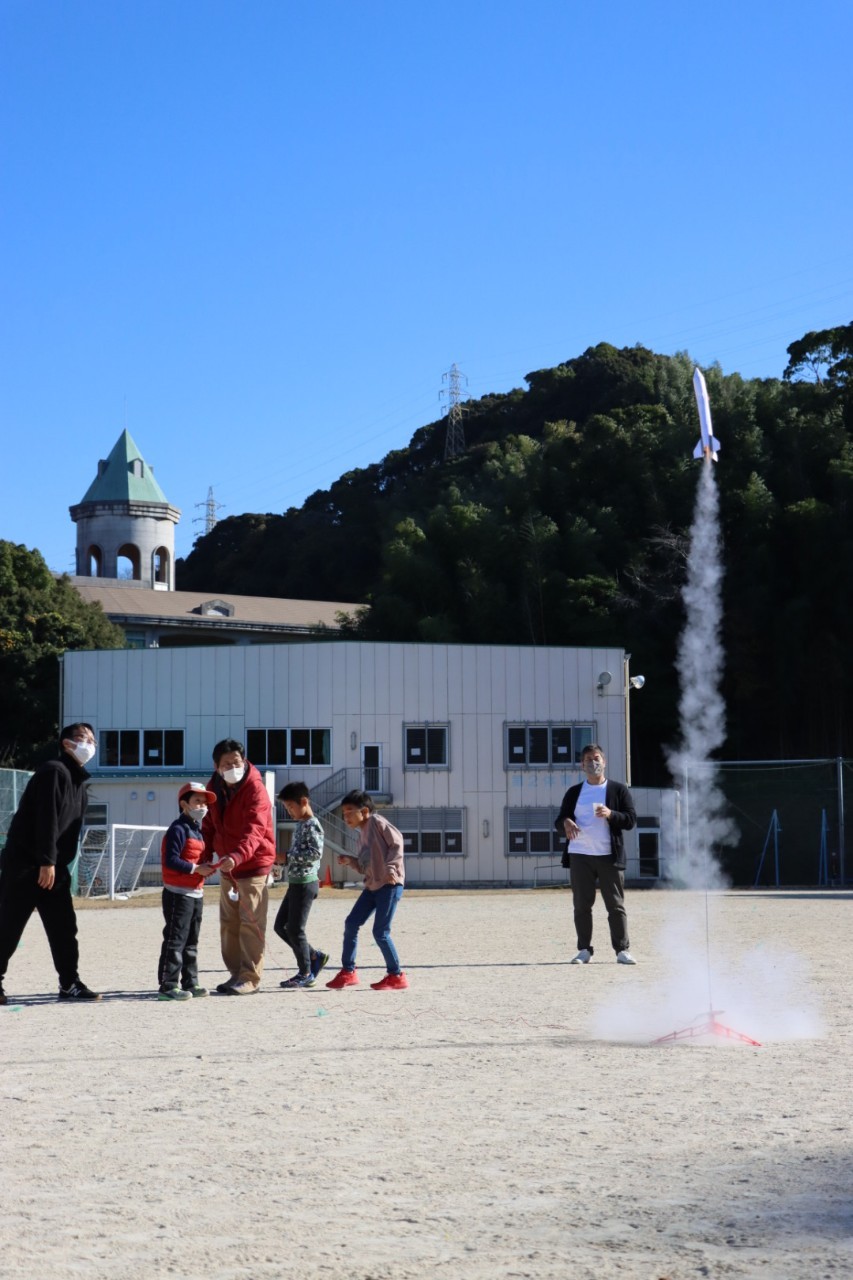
125,524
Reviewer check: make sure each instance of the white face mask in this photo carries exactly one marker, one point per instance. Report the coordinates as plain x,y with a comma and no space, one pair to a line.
83,751
231,776
199,813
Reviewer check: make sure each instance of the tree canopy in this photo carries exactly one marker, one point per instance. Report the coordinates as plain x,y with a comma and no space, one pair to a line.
41,616
565,522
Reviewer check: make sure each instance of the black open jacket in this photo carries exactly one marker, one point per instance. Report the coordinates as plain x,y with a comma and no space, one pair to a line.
623,816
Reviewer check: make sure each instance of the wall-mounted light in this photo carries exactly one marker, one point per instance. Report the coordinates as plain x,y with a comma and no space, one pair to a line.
134,795
603,681
353,740
150,796
485,828
637,682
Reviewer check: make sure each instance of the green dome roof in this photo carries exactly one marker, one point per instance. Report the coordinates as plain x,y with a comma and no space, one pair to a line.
125,476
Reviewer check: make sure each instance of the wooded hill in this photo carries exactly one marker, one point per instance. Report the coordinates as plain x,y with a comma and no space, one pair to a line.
566,521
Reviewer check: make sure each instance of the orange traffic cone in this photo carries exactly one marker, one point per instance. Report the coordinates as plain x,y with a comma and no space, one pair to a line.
326,882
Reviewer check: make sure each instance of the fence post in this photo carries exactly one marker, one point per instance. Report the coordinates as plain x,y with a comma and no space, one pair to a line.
113,861
839,763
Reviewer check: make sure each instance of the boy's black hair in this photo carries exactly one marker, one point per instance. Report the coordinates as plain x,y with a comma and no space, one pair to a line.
294,791
225,747
359,800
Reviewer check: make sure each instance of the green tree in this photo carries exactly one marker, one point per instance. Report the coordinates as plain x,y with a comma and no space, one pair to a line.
41,616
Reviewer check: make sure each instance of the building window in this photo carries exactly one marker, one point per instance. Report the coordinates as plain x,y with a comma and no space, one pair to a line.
289,746
134,639
648,846
266,746
142,748
310,746
531,831
546,746
96,815
430,833
426,746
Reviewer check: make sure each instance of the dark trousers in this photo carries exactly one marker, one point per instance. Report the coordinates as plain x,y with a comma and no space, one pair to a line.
179,953
20,896
291,919
611,879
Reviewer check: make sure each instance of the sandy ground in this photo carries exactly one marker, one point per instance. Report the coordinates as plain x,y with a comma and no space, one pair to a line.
507,1116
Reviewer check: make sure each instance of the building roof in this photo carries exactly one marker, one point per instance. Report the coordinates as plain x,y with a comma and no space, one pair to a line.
124,476
203,608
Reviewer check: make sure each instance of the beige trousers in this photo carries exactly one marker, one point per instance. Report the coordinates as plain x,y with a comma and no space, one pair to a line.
243,927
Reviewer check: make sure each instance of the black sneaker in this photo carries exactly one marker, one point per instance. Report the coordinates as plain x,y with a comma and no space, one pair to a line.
298,981
319,960
4,999
78,991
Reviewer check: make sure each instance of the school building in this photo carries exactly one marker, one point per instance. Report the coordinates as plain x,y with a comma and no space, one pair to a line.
468,749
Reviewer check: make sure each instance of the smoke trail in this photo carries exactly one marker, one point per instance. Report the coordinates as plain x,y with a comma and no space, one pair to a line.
701,711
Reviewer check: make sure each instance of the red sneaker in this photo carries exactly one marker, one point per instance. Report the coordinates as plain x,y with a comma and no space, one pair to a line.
346,978
391,982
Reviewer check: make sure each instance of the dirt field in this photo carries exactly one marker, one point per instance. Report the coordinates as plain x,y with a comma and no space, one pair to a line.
507,1116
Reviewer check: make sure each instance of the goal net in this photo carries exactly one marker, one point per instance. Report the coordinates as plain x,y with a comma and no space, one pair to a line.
113,860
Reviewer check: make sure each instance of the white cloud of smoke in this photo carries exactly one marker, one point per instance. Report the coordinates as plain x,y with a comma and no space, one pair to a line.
761,990
701,708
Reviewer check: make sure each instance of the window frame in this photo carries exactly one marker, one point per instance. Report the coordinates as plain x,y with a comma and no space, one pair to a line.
528,734
122,749
538,821
426,727
414,823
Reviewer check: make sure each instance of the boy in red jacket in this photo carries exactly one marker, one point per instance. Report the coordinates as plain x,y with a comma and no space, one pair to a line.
183,898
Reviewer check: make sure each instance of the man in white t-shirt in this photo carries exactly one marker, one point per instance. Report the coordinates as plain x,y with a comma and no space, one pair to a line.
593,816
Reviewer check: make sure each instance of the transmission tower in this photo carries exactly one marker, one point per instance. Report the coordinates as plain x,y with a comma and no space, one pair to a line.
210,509
454,441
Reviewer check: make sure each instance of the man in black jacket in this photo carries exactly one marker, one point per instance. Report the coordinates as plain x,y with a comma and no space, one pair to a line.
593,815
35,865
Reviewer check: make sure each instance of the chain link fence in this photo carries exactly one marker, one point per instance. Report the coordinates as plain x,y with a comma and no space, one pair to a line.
12,783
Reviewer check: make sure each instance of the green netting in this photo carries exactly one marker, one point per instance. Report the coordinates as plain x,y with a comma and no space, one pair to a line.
800,795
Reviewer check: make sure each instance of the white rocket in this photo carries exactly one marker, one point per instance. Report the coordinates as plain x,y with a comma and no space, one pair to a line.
708,444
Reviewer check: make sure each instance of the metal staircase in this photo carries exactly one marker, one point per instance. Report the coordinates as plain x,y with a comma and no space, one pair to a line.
326,796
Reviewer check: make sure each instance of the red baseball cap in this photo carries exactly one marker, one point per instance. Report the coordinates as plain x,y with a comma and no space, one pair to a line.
196,789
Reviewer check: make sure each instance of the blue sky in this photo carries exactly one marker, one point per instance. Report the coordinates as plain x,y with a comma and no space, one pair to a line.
257,232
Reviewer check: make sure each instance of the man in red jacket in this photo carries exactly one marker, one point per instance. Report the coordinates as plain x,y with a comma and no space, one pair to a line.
239,830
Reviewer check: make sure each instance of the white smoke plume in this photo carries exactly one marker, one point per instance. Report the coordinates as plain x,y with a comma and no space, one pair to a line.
701,710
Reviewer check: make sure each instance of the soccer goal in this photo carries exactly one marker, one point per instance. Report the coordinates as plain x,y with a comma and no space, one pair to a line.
112,858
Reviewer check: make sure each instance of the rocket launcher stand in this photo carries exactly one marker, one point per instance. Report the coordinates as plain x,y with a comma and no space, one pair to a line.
711,1027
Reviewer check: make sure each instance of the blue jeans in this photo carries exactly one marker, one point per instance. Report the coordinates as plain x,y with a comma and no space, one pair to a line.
384,902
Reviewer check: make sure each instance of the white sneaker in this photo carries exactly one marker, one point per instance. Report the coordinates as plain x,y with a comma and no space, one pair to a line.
583,957
625,957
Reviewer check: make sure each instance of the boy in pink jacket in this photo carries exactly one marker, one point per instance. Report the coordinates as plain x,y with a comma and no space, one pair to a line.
380,860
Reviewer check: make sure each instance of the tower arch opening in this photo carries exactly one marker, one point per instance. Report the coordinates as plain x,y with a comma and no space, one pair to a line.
160,565
127,562
94,563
